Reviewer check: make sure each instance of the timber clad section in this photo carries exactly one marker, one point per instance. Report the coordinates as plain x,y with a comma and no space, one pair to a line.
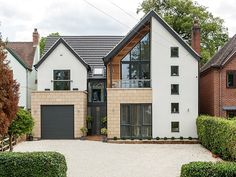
126,49
116,97
76,98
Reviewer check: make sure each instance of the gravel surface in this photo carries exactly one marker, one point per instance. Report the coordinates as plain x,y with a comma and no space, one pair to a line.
97,159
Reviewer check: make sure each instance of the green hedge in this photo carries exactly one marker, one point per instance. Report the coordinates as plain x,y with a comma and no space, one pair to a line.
209,169
218,135
34,164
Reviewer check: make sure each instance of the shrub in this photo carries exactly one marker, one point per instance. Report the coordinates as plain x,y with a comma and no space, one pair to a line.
218,135
149,138
181,138
34,164
172,138
115,138
209,169
157,138
190,138
165,138
104,131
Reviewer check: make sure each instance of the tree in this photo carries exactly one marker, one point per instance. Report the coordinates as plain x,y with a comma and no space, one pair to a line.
43,41
22,124
179,14
9,95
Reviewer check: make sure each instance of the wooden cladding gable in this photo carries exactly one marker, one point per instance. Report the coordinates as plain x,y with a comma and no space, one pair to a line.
115,62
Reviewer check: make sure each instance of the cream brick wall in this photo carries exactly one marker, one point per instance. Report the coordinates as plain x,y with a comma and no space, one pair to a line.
76,98
116,96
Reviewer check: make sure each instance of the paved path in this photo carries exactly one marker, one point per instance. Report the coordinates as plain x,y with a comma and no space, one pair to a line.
97,159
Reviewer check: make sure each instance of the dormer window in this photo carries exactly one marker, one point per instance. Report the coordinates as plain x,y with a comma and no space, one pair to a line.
98,71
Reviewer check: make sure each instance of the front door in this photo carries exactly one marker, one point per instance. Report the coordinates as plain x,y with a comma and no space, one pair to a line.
97,112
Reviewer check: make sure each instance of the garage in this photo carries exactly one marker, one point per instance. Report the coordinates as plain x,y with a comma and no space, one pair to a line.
57,121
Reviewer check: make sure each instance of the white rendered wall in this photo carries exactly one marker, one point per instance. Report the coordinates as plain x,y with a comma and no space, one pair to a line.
161,41
20,75
61,58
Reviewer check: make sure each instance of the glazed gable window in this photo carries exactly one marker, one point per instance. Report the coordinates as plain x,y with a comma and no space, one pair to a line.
61,80
231,79
174,51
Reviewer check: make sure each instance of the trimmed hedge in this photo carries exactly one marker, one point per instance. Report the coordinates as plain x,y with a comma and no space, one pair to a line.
34,164
218,135
209,169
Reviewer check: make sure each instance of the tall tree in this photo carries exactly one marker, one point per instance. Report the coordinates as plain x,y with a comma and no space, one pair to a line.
9,95
179,14
43,41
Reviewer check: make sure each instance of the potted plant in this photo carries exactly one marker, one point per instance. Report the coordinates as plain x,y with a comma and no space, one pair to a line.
104,133
84,131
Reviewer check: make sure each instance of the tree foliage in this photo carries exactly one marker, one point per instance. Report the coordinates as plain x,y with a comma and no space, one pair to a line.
22,124
179,14
9,95
43,41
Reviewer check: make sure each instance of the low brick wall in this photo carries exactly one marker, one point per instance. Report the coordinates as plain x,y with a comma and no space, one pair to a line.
116,96
76,98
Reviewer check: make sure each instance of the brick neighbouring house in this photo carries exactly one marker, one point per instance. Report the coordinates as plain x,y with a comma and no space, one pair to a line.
218,82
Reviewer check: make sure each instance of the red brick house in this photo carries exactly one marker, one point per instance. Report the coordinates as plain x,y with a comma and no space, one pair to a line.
218,82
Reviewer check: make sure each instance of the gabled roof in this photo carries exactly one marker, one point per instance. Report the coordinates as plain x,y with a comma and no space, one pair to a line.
91,48
134,31
222,56
54,46
24,52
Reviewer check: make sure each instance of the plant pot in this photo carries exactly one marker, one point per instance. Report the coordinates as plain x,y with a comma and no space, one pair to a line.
82,138
30,138
104,138
215,155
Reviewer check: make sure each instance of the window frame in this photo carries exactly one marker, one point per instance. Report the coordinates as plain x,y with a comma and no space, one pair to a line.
172,112
234,79
54,80
171,89
172,128
171,54
141,124
172,66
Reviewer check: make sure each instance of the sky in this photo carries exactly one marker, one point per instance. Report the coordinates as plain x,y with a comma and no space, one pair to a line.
18,18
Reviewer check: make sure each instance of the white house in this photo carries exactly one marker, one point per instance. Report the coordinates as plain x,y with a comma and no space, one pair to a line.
22,56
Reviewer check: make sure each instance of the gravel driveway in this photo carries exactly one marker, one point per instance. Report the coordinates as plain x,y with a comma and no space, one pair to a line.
97,159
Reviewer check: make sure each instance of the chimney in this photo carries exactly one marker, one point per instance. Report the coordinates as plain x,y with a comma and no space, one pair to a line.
196,36
35,37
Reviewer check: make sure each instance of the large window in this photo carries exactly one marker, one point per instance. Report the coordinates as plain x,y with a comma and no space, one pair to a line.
136,65
61,80
136,120
231,79
96,91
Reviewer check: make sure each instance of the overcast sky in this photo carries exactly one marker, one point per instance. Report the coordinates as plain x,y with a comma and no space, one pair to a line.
79,17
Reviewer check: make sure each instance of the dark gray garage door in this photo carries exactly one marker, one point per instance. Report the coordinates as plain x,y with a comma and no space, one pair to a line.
57,121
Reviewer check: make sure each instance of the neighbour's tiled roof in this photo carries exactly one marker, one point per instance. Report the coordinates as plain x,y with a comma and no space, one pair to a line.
222,56
91,49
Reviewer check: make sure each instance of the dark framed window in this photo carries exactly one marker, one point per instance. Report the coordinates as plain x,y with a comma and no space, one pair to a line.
136,120
174,126
174,107
231,79
96,91
136,64
174,70
174,51
174,89
61,80
231,114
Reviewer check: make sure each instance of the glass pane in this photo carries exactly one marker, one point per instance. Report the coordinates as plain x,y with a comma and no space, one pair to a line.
61,74
126,58
175,126
174,89
230,80
145,48
96,91
125,118
146,131
134,67
174,52
125,131
147,115
135,53
136,131
61,85
125,71
175,107
145,71
135,112
174,70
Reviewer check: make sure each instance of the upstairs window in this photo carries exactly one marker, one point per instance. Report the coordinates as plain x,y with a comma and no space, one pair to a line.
231,79
174,51
174,126
174,70
174,108
174,89
61,80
